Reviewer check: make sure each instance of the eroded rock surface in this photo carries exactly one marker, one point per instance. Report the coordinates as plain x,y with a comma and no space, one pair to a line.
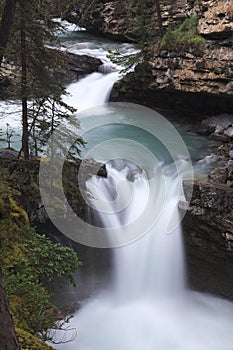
195,80
208,231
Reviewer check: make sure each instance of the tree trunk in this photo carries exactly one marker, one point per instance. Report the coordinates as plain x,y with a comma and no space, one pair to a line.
24,90
5,26
8,340
159,17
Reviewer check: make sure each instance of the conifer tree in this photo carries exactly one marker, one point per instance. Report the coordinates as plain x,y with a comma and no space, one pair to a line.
6,24
33,31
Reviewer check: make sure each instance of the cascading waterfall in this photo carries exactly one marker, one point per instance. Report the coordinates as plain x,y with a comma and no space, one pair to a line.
158,257
91,91
148,306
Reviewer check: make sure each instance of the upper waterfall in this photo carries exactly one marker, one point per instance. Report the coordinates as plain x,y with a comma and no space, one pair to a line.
91,91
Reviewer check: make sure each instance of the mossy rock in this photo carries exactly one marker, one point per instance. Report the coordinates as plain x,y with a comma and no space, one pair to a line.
18,212
29,342
3,211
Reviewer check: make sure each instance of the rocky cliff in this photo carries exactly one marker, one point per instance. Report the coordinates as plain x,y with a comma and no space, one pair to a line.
186,78
179,76
208,233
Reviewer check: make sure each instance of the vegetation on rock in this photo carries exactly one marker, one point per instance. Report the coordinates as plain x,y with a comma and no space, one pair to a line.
183,38
29,342
29,261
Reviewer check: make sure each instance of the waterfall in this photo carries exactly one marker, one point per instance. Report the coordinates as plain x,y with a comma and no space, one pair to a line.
148,305
157,256
91,91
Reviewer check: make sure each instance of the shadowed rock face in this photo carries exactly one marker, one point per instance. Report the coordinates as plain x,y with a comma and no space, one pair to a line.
208,233
77,66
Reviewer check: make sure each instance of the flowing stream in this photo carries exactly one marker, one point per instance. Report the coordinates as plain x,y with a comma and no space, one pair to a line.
148,305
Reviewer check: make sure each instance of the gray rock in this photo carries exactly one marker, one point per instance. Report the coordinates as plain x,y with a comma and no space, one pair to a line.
219,175
229,132
76,67
208,235
8,153
231,154
217,124
219,137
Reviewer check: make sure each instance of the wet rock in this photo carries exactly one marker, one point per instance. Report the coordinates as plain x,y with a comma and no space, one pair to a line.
77,66
231,154
93,167
102,172
208,234
88,168
219,175
229,132
219,137
132,173
217,124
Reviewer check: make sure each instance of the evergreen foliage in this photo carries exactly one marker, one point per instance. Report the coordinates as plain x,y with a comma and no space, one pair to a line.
28,261
183,37
42,95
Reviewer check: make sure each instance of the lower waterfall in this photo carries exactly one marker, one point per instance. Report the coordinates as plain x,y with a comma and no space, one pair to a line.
149,305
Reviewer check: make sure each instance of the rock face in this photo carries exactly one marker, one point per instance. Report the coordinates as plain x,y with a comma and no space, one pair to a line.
190,80
208,234
195,80
108,18
76,67
26,175
217,19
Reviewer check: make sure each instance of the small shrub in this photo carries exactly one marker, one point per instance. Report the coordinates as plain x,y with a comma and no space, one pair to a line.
184,37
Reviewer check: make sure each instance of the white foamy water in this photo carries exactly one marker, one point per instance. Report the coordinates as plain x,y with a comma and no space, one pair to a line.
91,91
149,305
10,113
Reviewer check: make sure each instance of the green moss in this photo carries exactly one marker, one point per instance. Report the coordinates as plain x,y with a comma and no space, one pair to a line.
28,342
184,37
3,211
18,212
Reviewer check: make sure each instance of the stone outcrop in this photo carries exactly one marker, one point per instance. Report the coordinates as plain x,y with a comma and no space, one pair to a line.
208,232
208,224
107,18
220,128
217,19
201,83
76,66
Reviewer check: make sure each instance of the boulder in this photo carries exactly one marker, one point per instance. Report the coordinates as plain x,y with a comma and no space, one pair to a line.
76,67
